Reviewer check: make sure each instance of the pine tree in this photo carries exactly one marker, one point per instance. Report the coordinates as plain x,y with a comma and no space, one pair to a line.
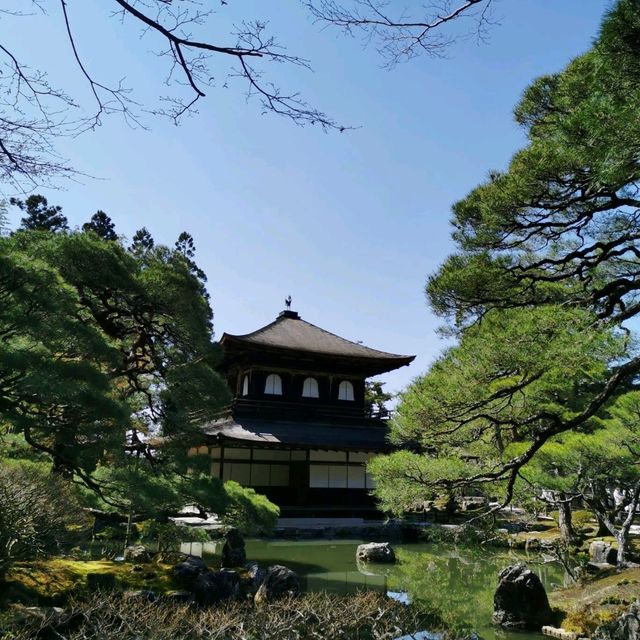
102,225
142,241
40,216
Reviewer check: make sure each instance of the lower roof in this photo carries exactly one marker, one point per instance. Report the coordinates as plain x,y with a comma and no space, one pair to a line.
316,435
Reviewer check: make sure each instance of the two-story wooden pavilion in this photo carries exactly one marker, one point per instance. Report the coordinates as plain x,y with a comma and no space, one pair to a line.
298,430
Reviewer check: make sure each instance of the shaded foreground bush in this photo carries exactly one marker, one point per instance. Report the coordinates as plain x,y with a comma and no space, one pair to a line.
364,616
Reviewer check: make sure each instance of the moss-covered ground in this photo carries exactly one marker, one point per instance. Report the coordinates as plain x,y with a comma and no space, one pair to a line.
52,581
596,600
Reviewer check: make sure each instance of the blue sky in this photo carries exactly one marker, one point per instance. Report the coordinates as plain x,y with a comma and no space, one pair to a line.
350,224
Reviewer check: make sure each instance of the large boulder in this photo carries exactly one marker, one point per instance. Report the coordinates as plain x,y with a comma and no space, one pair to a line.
137,553
187,572
375,552
626,627
215,586
520,601
601,552
278,582
233,553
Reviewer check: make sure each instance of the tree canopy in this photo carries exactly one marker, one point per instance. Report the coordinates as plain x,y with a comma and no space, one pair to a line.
107,362
542,287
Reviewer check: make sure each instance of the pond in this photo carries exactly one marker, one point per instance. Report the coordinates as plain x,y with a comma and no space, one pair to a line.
458,580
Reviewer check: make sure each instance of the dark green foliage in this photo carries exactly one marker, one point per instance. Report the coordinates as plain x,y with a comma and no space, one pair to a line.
169,535
102,350
376,399
102,225
541,289
36,509
142,241
186,246
249,511
39,215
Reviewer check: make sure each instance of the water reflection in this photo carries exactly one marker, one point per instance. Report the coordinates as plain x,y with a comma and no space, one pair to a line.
459,581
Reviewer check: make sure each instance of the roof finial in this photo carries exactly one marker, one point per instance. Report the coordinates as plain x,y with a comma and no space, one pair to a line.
288,303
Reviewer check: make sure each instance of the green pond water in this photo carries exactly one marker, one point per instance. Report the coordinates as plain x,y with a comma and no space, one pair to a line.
458,580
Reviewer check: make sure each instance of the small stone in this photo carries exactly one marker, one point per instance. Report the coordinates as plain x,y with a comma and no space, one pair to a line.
561,634
137,553
141,594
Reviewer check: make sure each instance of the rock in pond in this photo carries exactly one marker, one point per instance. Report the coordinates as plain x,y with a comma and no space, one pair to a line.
278,582
601,552
626,627
215,586
520,601
375,552
233,553
187,572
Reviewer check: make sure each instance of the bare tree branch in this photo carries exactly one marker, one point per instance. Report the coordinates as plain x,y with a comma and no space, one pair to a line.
33,113
399,37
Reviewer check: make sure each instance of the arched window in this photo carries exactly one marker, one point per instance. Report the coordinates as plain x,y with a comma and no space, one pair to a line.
345,391
310,388
273,385
245,386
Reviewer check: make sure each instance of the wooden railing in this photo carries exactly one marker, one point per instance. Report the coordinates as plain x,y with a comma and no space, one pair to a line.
294,410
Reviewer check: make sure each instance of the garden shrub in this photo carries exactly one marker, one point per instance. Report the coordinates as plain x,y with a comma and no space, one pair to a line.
249,511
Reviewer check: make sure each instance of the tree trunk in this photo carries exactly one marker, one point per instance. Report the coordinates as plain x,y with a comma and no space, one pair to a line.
565,519
623,539
603,530
623,535
127,534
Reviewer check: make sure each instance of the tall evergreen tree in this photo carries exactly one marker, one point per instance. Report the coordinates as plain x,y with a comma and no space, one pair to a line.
186,246
102,225
142,241
39,215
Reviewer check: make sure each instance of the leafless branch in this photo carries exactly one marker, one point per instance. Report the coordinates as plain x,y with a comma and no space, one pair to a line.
33,113
399,37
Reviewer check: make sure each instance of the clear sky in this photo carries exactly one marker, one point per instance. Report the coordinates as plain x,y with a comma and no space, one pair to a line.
350,225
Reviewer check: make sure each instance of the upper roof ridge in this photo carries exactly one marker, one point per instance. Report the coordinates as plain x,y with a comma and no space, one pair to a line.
290,331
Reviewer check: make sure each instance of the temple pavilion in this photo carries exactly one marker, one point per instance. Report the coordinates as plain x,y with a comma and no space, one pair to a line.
299,430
